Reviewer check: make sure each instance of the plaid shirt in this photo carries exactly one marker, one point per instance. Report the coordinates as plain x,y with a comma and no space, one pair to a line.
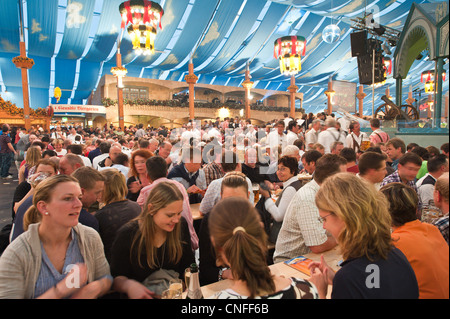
442,224
395,178
213,171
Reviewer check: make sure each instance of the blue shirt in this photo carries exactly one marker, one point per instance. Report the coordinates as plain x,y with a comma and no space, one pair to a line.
49,276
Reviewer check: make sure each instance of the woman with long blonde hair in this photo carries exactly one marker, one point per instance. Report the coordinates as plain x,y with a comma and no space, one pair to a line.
357,216
118,210
157,239
31,159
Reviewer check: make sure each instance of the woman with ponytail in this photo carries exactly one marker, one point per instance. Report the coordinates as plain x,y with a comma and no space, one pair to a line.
241,244
56,257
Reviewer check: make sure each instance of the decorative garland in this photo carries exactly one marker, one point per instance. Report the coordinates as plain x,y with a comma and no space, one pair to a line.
13,110
107,102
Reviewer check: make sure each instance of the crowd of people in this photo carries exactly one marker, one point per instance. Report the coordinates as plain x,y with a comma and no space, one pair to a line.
113,206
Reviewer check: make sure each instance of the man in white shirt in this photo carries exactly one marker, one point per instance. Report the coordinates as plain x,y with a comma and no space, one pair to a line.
292,134
277,137
330,135
436,166
312,136
72,135
356,137
287,120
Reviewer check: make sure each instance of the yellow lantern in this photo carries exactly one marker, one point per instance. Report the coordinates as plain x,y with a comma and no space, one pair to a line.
288,50
57,94
428,78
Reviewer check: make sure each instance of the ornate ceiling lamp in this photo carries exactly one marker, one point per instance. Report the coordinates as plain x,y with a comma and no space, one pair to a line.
288,50
428,78
144,17
119,73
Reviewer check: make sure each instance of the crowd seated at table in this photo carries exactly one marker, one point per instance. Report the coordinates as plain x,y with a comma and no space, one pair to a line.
118,208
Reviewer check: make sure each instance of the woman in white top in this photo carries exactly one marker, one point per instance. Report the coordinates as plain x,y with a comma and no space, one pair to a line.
287,173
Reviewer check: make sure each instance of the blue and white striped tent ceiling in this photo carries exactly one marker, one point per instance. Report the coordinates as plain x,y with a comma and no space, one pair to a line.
74,43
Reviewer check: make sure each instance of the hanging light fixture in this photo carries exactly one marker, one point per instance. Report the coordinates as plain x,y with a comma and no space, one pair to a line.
144,17
428,78
387,65
288,50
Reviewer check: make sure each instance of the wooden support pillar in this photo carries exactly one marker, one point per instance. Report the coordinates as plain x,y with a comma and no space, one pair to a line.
191,79
292,90
360,96
24,67
248,85
120,93
329,93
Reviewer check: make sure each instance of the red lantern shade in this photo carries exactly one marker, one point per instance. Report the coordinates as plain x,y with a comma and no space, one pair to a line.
144,17
289,50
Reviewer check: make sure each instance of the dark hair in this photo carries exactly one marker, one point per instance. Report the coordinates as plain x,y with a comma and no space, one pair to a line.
234,180
5,128
433,150
230,161
104,147
75,149
410,158
370,160
403,202
292,124
156,167
397,143
422,152
444,147
299,143
349,154
375,149
375,123
312,156
121,159
411,146
291,163
328,165
50,153
435,163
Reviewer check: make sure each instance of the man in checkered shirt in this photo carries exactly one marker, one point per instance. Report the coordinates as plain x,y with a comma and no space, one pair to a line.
302,231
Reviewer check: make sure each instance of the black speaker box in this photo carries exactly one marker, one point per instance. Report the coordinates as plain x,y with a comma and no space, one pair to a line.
359,43
365,64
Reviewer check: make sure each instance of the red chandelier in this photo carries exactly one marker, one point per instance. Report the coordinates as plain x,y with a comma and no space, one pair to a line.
289,50
144,17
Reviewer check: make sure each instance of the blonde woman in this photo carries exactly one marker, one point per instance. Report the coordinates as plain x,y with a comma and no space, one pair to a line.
357,216
56,257
117,210
157,239
31,159
241,244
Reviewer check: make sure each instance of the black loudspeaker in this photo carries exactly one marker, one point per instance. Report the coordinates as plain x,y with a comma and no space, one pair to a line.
365,62
359,43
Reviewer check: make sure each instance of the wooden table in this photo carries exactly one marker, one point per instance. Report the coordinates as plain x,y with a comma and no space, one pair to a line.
195,210
332,258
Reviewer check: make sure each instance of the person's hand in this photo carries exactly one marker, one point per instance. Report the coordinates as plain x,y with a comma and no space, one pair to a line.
90,291
193,190
134,187
264,193
319,279
323,267
137,290
74,280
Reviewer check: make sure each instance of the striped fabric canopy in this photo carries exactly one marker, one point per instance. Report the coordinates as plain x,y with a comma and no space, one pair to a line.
74,43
